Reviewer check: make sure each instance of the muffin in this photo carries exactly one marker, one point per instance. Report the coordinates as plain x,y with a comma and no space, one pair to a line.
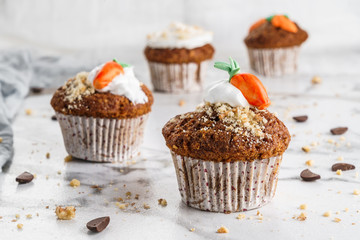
273,45
227,152
178,57
102,113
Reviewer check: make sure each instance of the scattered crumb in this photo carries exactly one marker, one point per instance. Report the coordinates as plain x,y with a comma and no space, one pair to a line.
339,172
14,220
182,103
314,144
128,194
59,172
302,217
222,229
353,223
306,149
28,216
192,229
327,214
1,139
342,138
47,207
316,80
75,183
146,206
162,202
68,158
28,112
66,213
47,155
337,220
356,192
330,140
340,158
19,225
17,216
309,162
346,209
241,216
303,206
337,212
122,206
137,196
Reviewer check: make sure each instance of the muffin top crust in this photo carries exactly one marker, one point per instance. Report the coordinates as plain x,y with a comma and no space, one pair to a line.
266,34
104,93
221,133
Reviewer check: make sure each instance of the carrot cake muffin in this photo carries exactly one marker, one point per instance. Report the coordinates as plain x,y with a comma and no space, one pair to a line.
178,57
102,114
227,152
273,45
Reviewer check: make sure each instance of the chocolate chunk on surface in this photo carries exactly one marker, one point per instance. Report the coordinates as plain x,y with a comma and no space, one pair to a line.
342,167
301,118
98,224
54,118
36,90
338,130
25,177
309,176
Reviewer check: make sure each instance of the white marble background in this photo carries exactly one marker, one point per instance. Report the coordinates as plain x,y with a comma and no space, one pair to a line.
86,30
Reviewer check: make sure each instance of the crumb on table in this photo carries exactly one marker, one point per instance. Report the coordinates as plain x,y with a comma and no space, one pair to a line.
75,183
222,229
66,213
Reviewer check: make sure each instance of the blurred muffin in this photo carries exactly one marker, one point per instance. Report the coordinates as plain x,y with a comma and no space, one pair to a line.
178,57
227,153
102,114
273,45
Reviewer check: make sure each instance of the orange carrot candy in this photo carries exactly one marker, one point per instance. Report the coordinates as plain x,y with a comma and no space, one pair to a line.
107,73
283,21
257,24
249,85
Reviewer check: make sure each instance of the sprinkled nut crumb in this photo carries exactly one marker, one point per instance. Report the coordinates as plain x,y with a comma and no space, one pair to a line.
342,138
137,196
316,80
182,103
337,220
17,216
241,216
353,223
1,217
327,214
14,220
222,229
306,149
192,229
314,144
28,112
330,140
309,162
302,217
346,209
1,139
28,216
340,158
47,155
75,183
356,192
121,206
59,172
303,206
146,206
356,174
337,212
128,193
19,225
68,158
162,202
66,213
339,172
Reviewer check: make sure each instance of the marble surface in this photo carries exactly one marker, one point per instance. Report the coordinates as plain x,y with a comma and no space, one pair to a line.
333,103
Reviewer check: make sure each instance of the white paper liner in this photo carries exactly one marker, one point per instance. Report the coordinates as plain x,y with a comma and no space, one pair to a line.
226,187
101,139
275,61
178,77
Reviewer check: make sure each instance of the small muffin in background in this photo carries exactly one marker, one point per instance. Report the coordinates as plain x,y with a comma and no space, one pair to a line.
227,153
102,114
178,57
273,45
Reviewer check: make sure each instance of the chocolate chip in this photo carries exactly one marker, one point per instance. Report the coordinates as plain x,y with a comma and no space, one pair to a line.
302,118
342,167
98,224
338,130
36,90
54,118
25,177
309,176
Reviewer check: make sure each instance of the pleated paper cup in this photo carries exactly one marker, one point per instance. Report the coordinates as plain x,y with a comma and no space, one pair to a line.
274,61
102,139
226,186
178,77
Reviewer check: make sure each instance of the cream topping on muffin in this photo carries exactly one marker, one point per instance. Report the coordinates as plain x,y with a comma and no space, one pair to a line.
224,92
123,84
179,35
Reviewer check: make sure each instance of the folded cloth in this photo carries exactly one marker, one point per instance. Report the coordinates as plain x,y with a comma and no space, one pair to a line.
15,76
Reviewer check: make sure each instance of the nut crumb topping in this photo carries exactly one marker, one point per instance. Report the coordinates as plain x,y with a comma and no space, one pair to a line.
77,87
66,213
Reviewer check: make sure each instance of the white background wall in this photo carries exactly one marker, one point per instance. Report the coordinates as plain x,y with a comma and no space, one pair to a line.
98,30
